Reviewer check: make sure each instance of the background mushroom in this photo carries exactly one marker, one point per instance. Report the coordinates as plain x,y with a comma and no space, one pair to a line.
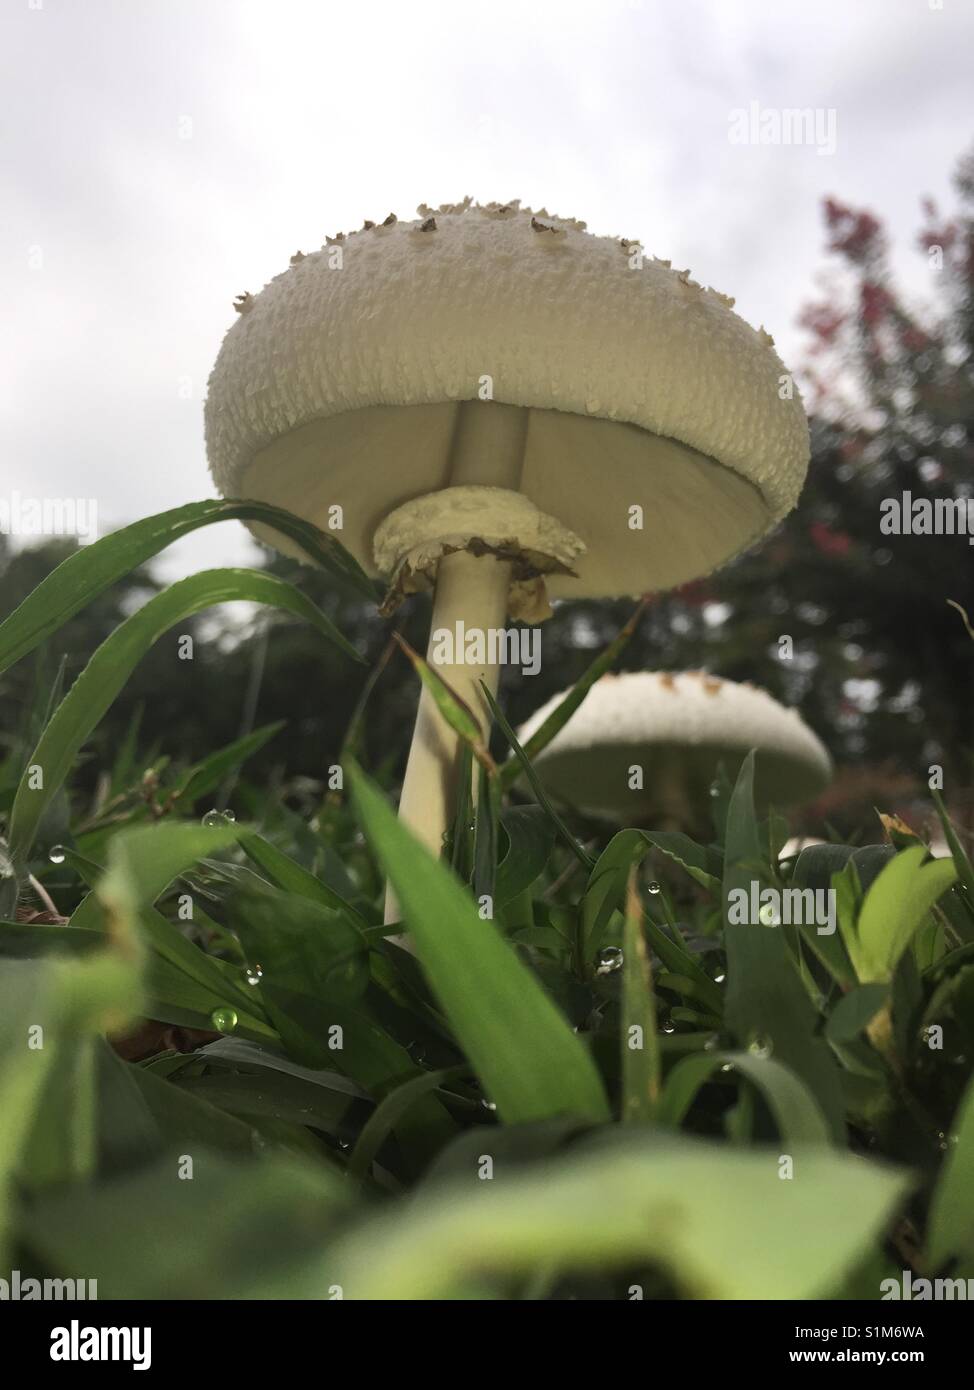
498,406
793,846
676,729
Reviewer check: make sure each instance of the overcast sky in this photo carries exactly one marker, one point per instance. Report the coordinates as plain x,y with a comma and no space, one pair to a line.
158,157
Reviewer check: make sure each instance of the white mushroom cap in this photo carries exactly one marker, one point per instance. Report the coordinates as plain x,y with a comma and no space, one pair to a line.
340,384
793,847
677,728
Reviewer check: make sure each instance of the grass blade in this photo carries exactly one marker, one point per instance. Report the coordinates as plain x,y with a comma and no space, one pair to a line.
388,1114
965,872
795,1110
90,571
485,838
952,1209
112,664
583,858
766,1002
640,1042
531,1063
454,710
717,1219
895,907
287,873
210,772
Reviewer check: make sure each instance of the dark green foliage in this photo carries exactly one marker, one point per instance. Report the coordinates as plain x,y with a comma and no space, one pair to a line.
773,1080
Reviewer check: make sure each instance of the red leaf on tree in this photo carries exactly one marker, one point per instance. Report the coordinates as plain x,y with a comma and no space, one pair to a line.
858,235
829,542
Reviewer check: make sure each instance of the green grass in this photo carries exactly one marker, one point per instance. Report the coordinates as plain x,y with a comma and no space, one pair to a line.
604,1083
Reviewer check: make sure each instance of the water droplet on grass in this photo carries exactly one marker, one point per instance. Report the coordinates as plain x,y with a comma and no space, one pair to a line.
654,887
224,1020
56,855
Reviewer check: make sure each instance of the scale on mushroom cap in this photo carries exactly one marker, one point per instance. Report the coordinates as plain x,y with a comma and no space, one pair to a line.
506,408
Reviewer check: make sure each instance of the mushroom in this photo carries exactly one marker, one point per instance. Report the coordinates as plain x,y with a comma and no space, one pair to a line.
644,747
793,847
503,408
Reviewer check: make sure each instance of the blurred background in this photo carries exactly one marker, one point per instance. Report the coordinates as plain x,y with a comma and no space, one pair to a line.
161,158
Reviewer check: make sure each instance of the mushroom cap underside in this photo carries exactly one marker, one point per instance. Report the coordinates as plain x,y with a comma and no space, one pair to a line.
677,729
674,778
589,474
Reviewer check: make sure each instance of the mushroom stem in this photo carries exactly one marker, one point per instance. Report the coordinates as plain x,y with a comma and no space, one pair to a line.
470,590
674,805
487,448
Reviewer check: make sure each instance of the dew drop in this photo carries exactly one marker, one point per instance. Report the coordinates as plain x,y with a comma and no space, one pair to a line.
719,979
224,1020
767,916
653,887
56,855
488,1104
714,789
669,1027
229,815
212,818
610,959
254,974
